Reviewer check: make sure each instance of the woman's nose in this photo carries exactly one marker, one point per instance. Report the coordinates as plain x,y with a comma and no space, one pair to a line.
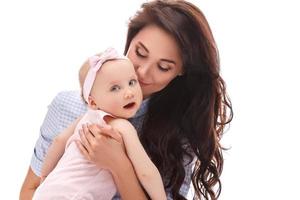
142,70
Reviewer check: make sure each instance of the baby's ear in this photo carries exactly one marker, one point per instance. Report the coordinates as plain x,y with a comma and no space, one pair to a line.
91,102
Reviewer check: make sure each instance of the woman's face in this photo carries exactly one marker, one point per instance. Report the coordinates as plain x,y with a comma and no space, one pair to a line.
156,58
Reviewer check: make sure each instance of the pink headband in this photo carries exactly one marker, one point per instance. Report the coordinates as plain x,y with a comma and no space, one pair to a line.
95,64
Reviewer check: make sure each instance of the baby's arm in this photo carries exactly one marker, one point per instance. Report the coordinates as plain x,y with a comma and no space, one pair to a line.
56,150
146,171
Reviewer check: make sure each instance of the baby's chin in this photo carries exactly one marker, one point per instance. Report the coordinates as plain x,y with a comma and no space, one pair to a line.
124,114
128,114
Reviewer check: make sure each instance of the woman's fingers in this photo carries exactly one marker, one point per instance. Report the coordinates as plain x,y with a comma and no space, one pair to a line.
95,131
108,131
93,136
90,135
83,150
97,141
84,140
88,141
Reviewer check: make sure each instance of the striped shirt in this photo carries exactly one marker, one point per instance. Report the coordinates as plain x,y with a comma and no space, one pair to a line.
65,108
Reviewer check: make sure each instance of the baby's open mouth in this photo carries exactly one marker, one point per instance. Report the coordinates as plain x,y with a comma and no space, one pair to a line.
130,105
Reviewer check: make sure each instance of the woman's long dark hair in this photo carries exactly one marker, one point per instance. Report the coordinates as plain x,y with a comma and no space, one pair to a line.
186,118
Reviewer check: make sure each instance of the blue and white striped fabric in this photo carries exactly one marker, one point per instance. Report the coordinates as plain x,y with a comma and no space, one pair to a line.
63,110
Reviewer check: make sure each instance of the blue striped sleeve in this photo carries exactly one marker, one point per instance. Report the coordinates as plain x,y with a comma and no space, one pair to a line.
63,110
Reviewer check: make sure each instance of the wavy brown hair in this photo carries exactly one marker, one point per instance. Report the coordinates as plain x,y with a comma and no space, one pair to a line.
186,118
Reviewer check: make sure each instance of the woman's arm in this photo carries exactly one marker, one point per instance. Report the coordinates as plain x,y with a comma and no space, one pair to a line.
146,171
110,154
56,150
31,182
65,108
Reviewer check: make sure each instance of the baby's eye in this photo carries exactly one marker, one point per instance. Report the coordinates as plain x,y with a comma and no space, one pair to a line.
132,82
115,88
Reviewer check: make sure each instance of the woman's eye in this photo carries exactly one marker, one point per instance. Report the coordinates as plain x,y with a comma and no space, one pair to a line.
140,53
115,88
132,82
164,69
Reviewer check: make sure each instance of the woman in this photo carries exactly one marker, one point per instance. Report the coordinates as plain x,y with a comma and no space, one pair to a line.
184,111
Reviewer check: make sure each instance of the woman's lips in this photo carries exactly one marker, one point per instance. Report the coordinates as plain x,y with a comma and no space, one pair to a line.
143,83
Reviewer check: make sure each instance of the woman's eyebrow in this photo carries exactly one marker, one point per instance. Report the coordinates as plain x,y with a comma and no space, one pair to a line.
163,59
140,43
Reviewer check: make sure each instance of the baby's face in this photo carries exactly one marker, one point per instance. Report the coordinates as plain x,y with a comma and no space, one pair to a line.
116,89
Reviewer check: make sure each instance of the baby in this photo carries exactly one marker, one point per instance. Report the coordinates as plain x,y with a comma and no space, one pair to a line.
113,94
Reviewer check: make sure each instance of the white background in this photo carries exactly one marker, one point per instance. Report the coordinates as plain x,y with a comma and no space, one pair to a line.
43,44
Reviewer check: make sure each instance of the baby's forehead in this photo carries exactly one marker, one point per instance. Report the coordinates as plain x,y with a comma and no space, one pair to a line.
117,70
117,66
117,63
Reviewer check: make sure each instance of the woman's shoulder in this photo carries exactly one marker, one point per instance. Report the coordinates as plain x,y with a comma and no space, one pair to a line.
64,109
69,102
66,96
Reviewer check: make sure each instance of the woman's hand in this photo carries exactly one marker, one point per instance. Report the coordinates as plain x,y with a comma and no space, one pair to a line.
102,145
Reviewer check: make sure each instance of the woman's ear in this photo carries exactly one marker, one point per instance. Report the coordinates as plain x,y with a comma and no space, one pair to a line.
181,72
91,102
